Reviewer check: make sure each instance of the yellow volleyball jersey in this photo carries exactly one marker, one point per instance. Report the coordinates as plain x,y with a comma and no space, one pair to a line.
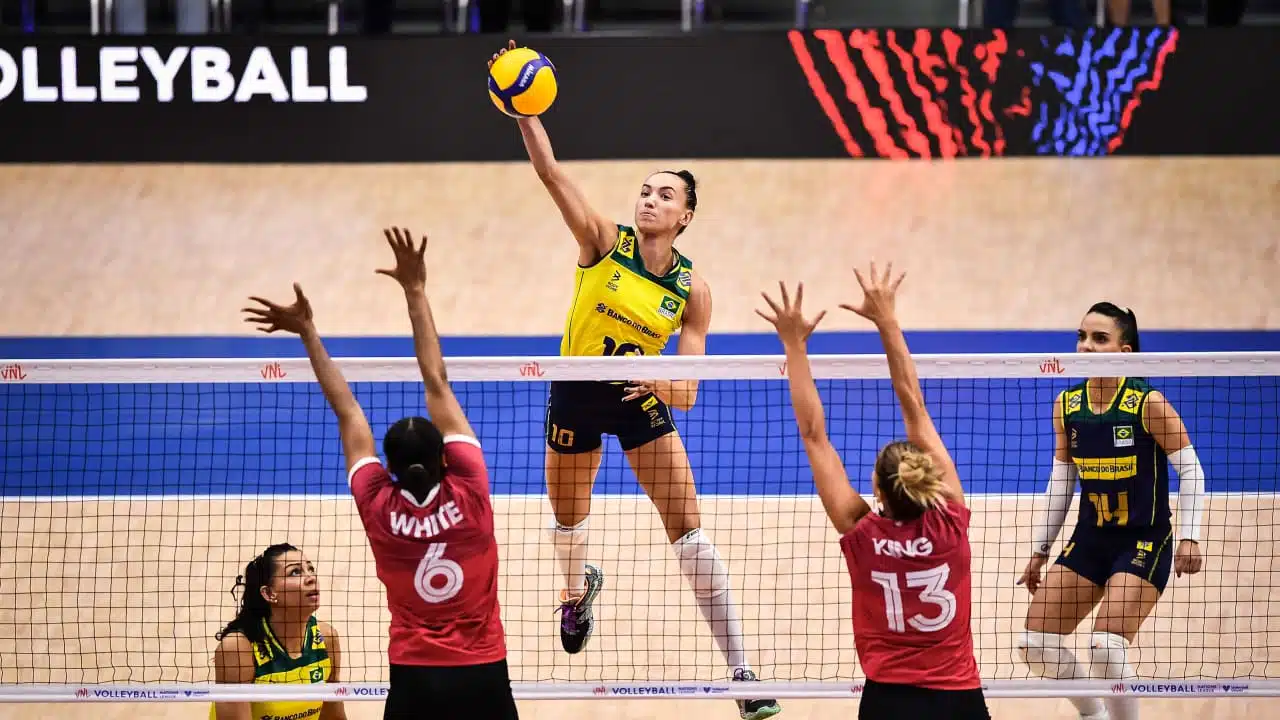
272,664
620,308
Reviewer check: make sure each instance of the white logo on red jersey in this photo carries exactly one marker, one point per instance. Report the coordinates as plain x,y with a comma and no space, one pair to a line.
429,526
918,547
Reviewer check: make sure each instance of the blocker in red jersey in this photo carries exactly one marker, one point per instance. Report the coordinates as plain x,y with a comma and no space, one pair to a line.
428,517
910,561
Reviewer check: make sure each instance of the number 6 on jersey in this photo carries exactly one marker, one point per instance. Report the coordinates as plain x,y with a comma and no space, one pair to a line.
434,565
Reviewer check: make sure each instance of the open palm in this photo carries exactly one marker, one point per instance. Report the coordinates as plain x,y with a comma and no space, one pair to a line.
411,265
788,317
295,318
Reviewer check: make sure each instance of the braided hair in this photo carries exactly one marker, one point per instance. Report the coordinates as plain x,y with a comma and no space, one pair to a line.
254,608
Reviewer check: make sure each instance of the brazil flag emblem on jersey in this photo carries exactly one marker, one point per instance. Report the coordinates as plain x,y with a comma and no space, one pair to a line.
1122,435
669,307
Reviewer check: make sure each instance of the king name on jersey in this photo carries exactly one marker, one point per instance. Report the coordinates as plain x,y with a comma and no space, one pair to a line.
916,547
427,526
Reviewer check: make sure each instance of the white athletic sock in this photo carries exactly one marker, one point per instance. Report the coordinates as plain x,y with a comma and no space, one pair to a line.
571,552
709,579
1109,654
1046,657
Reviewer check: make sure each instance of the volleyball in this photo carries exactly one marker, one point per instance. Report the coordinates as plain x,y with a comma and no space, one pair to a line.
522,82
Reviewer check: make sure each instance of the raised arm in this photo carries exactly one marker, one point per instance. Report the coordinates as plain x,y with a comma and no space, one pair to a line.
411,273
595,233
353,426
878,307
844,506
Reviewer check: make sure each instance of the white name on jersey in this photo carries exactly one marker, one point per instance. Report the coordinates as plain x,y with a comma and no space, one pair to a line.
919,547
426,527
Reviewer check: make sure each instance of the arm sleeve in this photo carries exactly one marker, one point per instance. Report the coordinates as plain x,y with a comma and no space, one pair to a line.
1062,486
1191,495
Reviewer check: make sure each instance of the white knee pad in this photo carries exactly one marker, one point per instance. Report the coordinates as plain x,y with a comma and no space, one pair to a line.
701,565
1109,657
1046,657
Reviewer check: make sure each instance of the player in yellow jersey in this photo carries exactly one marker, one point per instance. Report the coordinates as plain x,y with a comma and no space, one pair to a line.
275,638
633,290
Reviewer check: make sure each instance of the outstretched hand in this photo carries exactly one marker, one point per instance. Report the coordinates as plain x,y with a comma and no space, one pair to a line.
295,318
511,45
411,265
878,294
788,319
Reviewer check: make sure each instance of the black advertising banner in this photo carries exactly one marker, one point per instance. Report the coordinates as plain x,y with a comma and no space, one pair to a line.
907,93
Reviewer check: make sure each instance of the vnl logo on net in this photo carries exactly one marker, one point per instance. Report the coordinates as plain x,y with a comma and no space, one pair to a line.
121,71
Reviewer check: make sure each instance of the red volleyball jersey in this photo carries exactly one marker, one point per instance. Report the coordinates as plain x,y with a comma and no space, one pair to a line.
911,598
438,560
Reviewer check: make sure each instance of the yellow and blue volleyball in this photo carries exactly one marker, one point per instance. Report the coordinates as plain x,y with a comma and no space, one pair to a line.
522,82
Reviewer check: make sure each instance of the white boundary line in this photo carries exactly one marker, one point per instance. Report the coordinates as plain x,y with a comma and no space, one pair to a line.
702,367
682,690
638,495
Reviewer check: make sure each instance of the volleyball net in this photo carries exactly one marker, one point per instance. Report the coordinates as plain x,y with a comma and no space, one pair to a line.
135,491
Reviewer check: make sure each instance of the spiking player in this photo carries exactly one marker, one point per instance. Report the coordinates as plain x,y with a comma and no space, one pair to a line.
910,562
429,521
633,291
1113,434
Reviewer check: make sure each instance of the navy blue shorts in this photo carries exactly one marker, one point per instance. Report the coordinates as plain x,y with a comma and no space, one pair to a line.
579,413
1098,553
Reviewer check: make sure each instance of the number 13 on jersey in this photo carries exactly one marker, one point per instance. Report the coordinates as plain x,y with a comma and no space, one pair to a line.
933,591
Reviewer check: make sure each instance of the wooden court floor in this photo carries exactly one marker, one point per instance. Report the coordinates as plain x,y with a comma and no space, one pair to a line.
132,592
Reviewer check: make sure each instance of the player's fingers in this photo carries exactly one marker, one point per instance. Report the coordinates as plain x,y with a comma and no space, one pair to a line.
774,306
772,320
813,325
297,291
855,310
267,303
888,271
786,297
422,251
857,274
898,280
388,273
799,295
